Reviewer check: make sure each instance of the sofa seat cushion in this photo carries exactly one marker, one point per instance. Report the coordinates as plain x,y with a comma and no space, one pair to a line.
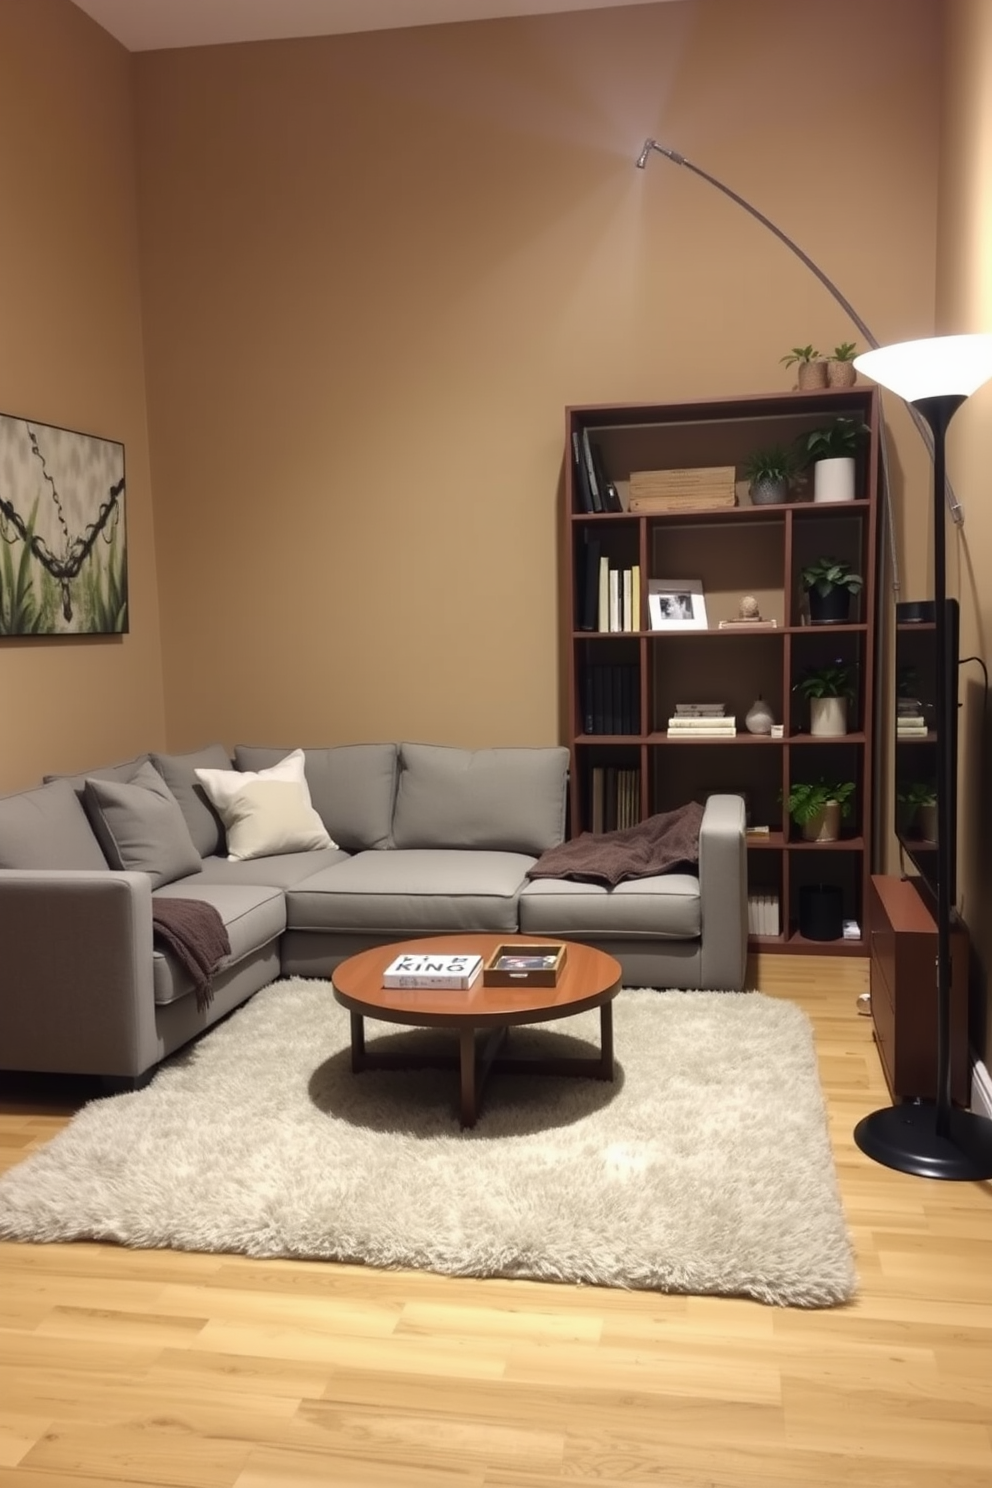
666,907
280,872
408,892
252,916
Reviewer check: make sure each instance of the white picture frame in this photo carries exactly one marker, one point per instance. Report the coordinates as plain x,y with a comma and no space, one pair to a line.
676,604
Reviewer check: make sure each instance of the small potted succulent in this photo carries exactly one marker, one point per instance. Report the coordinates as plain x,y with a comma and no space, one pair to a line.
831,451
828,689
841,371
919,801
817,807
811,369
829,584
768,473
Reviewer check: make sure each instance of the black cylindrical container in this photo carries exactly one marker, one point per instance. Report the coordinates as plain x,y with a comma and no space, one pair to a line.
821,912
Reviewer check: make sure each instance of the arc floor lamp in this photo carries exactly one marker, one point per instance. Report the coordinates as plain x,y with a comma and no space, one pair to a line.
934,376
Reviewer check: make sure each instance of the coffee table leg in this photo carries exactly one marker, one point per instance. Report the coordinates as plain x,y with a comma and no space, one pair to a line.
357,1043
466,1041
606,1041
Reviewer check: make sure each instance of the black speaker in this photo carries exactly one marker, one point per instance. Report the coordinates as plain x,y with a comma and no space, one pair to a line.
821,912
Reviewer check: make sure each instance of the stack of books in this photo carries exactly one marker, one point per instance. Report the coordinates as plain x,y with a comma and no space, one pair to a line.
703,488
702,721
763,914
456,972
910,722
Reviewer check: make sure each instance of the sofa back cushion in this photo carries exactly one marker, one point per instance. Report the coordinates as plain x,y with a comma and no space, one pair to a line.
509,800
140,826
177,770
352,787
47,828
124,772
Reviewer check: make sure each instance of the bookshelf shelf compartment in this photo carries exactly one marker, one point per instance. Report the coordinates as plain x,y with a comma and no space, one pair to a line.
732,551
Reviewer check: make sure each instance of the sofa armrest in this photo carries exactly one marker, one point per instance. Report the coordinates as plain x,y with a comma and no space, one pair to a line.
76,972
723,894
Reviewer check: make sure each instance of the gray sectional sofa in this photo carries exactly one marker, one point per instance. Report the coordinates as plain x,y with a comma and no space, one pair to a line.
388,841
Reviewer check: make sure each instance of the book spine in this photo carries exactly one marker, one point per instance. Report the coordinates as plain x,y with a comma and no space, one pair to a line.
594,492
582,493
442,983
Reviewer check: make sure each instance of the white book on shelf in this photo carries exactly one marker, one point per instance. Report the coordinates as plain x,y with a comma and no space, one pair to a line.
604,593
627,600
614,599
454,971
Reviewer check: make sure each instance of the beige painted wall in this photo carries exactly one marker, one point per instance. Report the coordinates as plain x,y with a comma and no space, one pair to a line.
377,267
965,304
71,355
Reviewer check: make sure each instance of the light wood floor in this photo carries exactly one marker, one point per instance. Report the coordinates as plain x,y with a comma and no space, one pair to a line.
124,1367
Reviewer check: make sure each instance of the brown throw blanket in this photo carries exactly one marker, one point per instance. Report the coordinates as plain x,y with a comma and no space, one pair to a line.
666,841
196,935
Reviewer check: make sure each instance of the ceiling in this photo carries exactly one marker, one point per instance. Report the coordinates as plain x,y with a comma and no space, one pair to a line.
149,25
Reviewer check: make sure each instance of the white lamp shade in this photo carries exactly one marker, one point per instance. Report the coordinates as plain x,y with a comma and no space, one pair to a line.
927,368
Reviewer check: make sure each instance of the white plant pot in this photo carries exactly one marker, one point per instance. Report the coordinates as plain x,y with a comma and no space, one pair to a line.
828,717
833,480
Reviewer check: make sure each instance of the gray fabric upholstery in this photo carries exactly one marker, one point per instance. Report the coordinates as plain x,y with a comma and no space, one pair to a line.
281,872
505,800
205,826
47,828
252,918
124,771
352,787
140,826
406,893
638,909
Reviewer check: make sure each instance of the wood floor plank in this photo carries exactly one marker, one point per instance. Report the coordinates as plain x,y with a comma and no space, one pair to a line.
157,1368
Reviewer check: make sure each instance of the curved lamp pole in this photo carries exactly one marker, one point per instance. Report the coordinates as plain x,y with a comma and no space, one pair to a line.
828,284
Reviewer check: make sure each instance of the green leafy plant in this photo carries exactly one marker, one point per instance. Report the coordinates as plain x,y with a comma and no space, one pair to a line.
776,463
826,574
836,439
845,352
801,354
919,793
19,612
833,681
808,798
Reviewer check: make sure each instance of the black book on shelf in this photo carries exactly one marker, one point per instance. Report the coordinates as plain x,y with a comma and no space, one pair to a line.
589,581
582,492
594,492
588,701
608,492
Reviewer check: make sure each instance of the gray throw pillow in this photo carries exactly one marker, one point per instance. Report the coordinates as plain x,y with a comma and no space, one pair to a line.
140,826
178,772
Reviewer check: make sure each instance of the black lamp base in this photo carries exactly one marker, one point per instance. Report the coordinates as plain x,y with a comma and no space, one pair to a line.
906,1138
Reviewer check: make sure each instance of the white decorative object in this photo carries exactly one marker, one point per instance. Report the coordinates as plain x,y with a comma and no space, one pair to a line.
759,718
453,971
833,479
828,717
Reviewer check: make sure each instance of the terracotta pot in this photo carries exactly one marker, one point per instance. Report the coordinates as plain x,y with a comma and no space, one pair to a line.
840,374
812,374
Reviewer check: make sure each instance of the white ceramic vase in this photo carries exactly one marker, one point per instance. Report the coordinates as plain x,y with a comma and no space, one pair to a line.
759,718
833,480
828,717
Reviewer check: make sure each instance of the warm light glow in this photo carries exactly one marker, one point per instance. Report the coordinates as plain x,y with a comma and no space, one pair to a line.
927,368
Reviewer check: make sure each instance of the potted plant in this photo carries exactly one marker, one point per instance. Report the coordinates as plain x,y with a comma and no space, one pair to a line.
768,472
829,583
920,802
840,365
831,450
828,689
811,369
817,807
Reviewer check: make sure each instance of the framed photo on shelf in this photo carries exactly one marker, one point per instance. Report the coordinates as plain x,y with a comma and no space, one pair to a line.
676,604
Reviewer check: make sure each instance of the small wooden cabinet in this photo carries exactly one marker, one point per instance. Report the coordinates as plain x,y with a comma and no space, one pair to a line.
903,947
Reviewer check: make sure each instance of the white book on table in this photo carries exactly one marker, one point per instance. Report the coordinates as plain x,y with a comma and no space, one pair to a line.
446,971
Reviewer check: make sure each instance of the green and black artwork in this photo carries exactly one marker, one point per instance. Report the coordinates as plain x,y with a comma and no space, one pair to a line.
63,546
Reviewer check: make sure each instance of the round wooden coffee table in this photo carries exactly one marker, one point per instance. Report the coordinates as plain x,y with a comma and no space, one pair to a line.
588,979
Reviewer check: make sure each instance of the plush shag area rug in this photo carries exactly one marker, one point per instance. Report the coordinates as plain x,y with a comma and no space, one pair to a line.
705,1167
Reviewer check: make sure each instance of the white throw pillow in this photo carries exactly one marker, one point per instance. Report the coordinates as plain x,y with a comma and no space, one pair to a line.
271,816
300,830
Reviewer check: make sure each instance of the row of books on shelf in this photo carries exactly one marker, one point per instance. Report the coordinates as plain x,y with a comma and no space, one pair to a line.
611,698
763,915
614,797
594,490
910,720
609,593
